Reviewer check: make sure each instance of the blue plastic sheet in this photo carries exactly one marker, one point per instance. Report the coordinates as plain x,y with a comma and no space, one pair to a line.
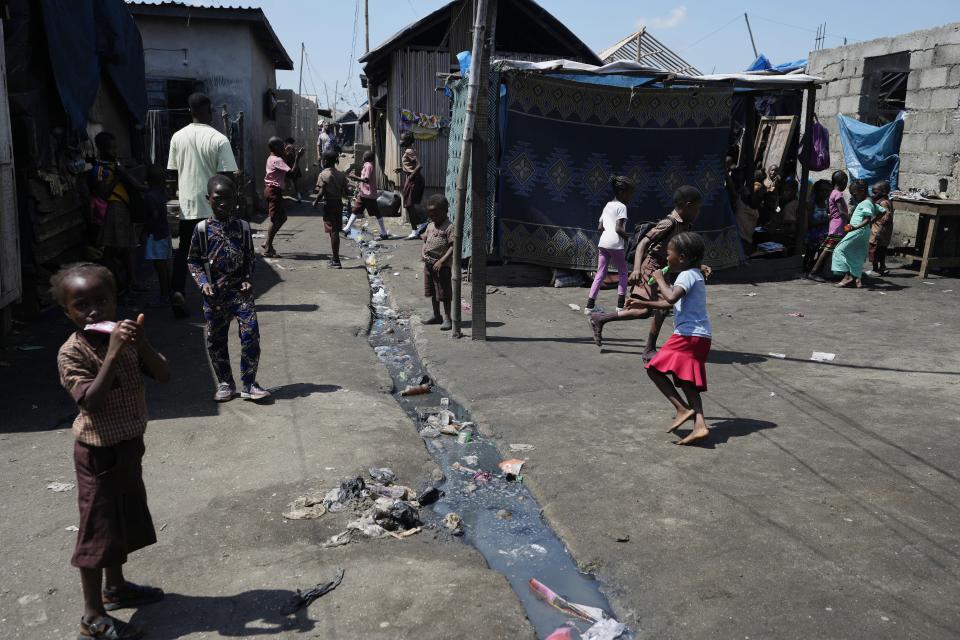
762,63
89,38
871,153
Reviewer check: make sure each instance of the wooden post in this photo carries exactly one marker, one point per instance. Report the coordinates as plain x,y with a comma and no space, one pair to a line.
805,144
466,151
750,31
478,170
370,121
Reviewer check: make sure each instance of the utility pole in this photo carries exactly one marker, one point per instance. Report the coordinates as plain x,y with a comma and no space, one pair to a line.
296,105
750,31
466,150
370,113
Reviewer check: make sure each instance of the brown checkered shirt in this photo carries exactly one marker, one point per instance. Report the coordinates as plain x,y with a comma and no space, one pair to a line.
124,414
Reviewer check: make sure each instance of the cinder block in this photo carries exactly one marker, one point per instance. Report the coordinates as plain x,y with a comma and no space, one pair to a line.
850,105
839,87
946,54
945,98
942,143
919,99
913,143
933,77
855,87
921,59
913,80
827,107
925,122
953,78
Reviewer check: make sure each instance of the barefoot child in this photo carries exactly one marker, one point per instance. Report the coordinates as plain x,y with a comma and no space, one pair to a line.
851,252
102,369
367,197
331,190
651,256
881,232
839,217
437,254
613,229
274,182
221,261
684,355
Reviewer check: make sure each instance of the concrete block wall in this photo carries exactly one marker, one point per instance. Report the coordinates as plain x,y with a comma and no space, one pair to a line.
931,137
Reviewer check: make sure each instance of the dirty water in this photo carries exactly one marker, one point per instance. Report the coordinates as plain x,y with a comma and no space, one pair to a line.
501,519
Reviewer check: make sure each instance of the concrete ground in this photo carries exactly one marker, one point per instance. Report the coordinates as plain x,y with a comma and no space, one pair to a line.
826,503
219,476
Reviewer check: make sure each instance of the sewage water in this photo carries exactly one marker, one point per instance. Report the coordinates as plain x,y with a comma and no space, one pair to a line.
520,547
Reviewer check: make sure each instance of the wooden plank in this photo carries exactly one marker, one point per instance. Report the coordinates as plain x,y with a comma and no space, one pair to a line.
10,278
928,247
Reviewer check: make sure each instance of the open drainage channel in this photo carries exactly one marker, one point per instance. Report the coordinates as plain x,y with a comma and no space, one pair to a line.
500,518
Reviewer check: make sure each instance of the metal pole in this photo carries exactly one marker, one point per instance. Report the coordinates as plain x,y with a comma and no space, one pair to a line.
296,105
805,168
370,113
466,150
750,31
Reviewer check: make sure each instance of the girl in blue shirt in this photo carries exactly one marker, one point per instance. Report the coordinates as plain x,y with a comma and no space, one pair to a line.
684,356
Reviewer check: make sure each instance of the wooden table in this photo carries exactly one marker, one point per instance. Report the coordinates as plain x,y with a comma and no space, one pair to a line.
935,211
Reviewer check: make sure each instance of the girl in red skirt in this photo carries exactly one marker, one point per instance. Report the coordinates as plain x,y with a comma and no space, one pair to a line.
684,356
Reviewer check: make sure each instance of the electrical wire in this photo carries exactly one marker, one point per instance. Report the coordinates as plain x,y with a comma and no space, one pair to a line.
712,33
793,26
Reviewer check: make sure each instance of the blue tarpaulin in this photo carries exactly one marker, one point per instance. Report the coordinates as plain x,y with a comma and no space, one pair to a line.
89,38
762,63
871,153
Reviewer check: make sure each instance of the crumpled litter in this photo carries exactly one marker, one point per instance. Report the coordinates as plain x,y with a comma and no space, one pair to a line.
367,526
518,448
304,598
338,499
430,432
563,633
395,515
822,356
305,508
382,475
582,611
608,629
60,487
454,523
512,466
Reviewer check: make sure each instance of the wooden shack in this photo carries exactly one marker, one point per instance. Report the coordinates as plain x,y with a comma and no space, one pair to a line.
404,73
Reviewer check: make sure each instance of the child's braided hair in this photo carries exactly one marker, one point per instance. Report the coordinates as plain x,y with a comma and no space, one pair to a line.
79,269
691,246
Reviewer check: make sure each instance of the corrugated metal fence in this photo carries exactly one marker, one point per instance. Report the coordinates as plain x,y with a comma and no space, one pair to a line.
414,85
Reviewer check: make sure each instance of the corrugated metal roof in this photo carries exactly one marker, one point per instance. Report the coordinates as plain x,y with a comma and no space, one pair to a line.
642,47
254,16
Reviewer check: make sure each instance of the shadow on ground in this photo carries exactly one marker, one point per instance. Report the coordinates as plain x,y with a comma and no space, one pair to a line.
254,613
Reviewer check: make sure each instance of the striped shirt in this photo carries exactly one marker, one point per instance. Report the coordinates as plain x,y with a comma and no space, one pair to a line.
123,415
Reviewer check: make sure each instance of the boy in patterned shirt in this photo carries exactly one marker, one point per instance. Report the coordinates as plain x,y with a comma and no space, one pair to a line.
101,366
221,261
437,253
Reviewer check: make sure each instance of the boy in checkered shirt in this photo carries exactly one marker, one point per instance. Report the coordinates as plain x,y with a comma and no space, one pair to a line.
102,366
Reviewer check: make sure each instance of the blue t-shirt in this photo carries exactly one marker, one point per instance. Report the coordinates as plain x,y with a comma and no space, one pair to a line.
690,311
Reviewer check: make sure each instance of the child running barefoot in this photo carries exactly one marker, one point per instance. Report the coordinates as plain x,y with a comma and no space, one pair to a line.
851,252
684,355
367,196
101,366
651,256
613,228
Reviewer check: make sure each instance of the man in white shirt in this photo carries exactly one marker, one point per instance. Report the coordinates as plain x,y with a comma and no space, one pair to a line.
197,153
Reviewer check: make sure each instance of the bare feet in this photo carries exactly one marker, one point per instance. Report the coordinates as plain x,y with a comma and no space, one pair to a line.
597,332
700,432
846,282
858,283
681,417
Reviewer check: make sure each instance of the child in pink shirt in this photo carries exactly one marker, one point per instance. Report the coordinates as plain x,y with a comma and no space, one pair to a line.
367,197
273,184
839,217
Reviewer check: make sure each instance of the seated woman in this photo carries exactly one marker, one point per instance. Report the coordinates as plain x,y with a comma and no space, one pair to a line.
782,226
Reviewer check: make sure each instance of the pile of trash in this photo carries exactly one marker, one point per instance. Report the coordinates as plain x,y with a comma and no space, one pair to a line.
383,507
604,627
437,421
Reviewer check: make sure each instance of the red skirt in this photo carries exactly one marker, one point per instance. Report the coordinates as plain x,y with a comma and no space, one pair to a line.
686,358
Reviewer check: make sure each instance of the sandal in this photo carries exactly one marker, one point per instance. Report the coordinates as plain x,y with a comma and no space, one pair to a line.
271,253
107,628
130,595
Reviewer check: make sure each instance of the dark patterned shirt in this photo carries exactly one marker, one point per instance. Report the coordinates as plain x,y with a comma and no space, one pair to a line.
229,254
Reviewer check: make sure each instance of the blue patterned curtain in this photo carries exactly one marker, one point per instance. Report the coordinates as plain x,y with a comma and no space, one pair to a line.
563,140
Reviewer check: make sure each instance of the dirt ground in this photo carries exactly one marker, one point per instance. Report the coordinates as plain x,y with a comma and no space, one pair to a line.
826,501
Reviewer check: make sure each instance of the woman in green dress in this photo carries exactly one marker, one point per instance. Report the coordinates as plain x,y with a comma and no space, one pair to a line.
851,252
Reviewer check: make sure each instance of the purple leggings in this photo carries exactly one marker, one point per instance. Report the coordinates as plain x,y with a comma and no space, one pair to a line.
618,256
